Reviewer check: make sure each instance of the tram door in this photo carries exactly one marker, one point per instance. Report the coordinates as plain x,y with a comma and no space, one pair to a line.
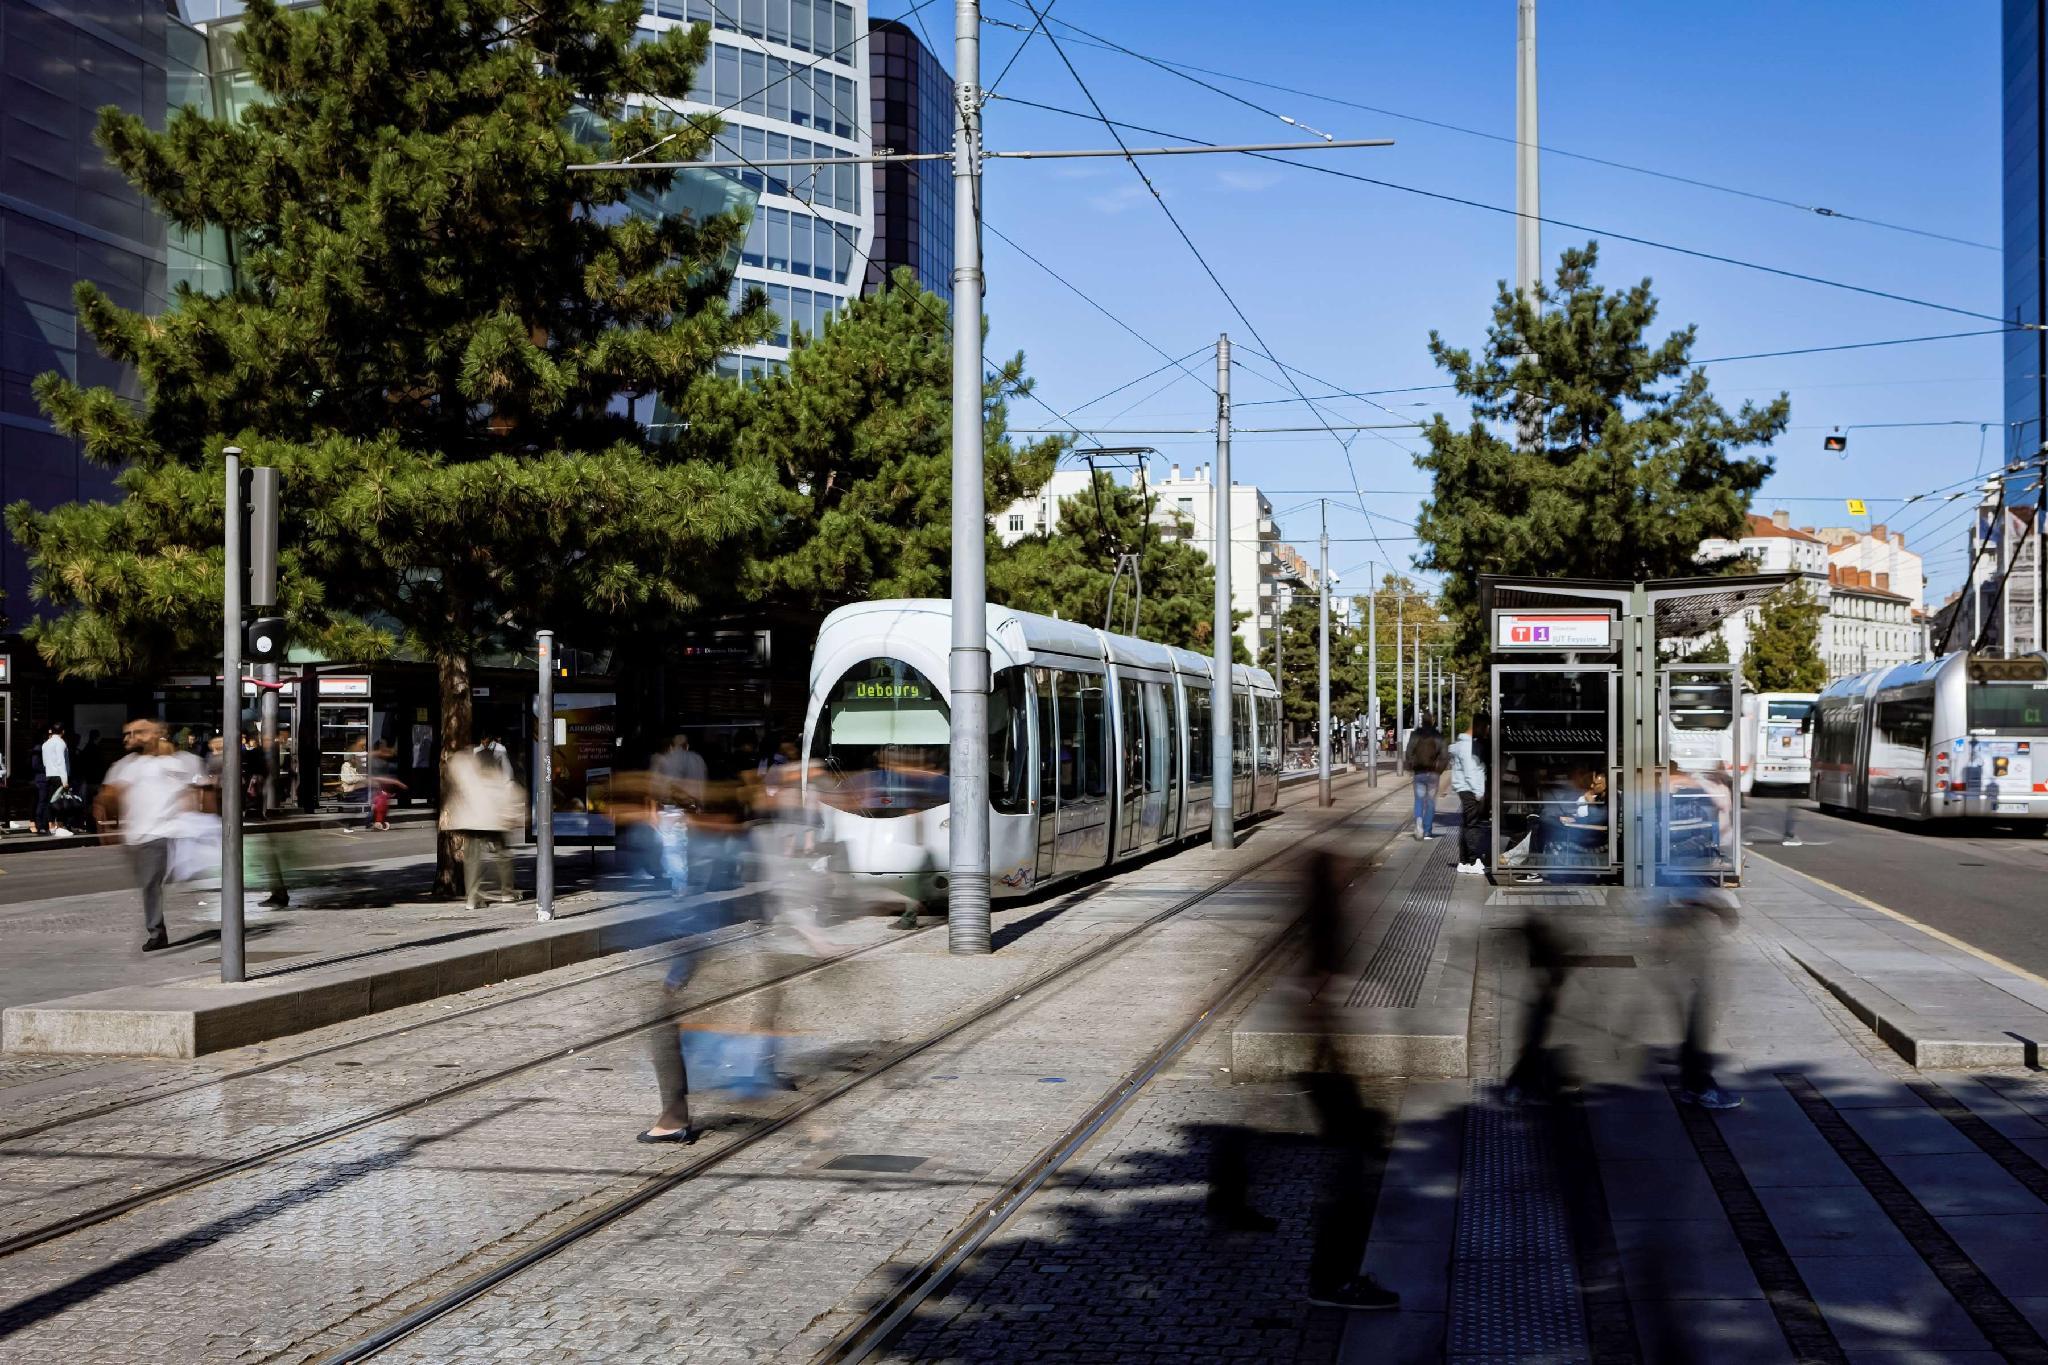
1084,765
1048,772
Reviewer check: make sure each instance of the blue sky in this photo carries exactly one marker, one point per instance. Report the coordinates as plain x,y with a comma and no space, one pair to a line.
1882,111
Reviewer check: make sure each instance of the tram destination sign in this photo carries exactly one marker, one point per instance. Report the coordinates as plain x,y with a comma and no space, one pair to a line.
1553,630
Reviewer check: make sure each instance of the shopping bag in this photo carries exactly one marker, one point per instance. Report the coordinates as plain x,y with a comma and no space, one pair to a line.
1519,854
195,847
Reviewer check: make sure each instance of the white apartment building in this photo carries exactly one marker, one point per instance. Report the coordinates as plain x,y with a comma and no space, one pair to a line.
2007,614
1185,504
1868,622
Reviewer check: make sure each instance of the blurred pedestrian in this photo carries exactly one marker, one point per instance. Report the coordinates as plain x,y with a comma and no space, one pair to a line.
483,804
384,784
145,794
1468,784
683,772
1424,761
88,771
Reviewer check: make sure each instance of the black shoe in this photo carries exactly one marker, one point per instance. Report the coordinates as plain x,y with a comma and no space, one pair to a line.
156,942
1361,1292
277,900
682,1137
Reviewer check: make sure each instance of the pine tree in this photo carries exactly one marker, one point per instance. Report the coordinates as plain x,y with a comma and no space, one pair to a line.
858,432
1633,469
431,321
1784,648
1068,572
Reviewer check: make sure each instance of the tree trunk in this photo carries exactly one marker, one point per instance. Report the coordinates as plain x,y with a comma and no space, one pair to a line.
457,715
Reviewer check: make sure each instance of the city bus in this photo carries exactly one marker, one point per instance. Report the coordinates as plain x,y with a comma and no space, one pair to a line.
1777,739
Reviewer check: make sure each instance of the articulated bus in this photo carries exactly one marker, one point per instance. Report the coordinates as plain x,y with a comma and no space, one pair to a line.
1950,738
1777,739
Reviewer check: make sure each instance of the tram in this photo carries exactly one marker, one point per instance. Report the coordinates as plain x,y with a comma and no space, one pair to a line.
1948,738
1777,739
1100,746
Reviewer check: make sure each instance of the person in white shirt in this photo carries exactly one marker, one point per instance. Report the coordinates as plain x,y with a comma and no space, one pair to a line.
56,776
1468,782
145,793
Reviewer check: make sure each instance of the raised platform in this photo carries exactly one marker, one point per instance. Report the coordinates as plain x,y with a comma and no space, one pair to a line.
193,1017
1401,1002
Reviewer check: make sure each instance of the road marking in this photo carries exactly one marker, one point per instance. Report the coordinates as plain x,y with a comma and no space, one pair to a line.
1950,939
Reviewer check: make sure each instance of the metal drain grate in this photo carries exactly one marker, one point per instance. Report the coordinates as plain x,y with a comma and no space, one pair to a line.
1392,977
1514,1282
1559,895
888,1162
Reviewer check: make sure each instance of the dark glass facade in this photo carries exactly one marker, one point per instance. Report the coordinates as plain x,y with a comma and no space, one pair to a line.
65,216
2026,208
910,110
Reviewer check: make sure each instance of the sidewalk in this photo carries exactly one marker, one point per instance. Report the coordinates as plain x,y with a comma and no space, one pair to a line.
24,841
1852,1208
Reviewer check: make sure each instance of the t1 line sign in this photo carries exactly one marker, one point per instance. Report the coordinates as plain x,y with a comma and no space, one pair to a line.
1553,630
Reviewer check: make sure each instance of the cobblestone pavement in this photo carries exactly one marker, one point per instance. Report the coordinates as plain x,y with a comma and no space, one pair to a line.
308,1252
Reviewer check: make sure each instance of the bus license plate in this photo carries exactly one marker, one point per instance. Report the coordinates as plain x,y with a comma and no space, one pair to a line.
2010,808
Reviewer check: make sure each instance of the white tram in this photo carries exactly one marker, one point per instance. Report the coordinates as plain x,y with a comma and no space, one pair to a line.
1099,745
1943,739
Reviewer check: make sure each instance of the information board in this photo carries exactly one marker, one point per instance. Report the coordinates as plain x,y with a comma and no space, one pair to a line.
1553,630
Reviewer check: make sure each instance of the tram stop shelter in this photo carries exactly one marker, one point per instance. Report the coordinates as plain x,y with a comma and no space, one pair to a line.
1610,762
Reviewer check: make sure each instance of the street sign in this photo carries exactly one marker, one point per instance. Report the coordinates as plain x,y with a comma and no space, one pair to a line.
1553,630
6,670
1857,509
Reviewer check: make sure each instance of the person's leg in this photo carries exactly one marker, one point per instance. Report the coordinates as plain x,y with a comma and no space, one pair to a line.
1470,807
472,868
1425,803
42,815
672,1079
151,860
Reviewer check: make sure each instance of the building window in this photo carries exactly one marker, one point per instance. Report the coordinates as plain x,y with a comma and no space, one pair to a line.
1016,521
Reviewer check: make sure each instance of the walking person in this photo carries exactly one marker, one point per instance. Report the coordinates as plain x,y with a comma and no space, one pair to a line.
52,775
1425,763
482,803
1468,783
143,797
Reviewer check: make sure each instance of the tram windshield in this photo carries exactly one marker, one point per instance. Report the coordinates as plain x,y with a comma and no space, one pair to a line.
884,740
1794,711
2009,708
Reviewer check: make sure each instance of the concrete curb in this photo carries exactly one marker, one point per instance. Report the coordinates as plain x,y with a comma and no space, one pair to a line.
192,1018
1930,1044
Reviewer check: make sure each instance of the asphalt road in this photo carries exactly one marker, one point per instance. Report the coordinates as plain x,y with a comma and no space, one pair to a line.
1988,888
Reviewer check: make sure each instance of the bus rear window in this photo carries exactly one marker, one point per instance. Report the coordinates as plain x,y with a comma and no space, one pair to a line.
2010,708
1796,711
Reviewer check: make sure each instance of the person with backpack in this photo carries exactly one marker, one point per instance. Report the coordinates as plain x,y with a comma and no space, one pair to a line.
1425,763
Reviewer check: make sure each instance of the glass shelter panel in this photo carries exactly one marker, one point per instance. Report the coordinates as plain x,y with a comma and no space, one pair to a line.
1698,817
1553,761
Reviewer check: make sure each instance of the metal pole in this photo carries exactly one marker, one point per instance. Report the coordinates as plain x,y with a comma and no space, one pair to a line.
1421,695
1400,627
1372,673
2008,556
1528,199
231,959
1323,797
1279,663
2040,556
1221,834
262,556
544,777
967,925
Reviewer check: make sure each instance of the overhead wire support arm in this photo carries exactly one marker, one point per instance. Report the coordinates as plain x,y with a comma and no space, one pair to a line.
1048,154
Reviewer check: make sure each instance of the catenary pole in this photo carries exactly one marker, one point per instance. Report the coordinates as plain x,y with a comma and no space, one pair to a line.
544,775
1528,197
231,957
1372,674
1420,695
967,925
2040,554
1400,629
1221,834
1323,797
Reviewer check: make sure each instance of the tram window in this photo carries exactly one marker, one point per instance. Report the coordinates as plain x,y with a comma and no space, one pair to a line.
1241,736
1269,735
1048,737
1095,722
1158,740
1201,748
1072,735
1009,744
1133,712
884,736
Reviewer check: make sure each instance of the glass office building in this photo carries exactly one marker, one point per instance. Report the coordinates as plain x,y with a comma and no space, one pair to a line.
2026,213
911,108
789,79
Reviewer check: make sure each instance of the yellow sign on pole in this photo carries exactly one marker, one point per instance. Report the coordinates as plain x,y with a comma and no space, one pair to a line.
1857,509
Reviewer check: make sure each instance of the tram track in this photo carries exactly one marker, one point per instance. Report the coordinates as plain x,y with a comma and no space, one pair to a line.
581,1228
56,1229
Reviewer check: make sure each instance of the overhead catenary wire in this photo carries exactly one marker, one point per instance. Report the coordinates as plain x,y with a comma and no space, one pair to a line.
1598,232
1184,71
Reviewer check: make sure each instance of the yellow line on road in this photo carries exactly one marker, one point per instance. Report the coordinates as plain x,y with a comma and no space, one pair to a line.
1950,939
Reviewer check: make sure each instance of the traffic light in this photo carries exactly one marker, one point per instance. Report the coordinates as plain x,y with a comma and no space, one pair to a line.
1835,441
263,640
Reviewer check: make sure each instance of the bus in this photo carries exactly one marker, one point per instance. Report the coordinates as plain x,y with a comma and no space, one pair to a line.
1777,739
1961,736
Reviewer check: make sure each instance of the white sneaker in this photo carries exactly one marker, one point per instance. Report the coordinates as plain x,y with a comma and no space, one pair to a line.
1472,869
60,833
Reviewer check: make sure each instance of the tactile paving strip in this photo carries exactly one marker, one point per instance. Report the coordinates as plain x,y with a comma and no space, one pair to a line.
1392,978
1514,1281
1577,895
